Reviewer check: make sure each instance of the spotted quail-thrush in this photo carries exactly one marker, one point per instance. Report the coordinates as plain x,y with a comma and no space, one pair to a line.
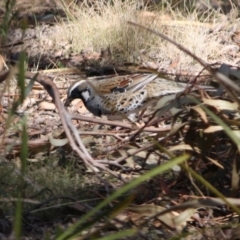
120,96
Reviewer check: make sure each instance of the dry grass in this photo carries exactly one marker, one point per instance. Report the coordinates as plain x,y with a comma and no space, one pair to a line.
91,29
104,26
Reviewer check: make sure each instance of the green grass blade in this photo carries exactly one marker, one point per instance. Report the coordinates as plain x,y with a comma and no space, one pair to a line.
70,233
19,205
23,151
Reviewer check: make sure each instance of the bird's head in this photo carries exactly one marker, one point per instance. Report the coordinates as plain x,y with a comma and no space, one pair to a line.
79,89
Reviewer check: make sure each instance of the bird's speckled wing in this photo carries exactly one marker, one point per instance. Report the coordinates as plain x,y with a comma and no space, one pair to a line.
160,87
111,84
122,84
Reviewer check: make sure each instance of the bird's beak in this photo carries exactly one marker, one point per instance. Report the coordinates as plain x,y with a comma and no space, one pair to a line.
68,101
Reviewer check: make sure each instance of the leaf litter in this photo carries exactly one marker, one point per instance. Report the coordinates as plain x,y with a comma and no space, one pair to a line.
193,131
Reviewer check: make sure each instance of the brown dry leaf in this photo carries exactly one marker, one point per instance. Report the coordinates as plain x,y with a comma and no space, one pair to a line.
151,65
141,154
215,162
130,161
37,86
221,104
181,220
34,160
37,92
2,62
136,219
213,129
78,105
18,162
57,142
177,127
57,133
170,219
183,147
201,112
47,106
88,140
123,219
235,176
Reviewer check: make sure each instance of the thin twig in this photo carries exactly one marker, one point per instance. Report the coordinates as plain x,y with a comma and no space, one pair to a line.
120,124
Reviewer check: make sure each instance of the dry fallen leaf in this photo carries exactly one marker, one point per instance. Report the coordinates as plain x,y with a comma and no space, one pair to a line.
2,62
221,104
213,129
172,219
47,106
57,142
27,102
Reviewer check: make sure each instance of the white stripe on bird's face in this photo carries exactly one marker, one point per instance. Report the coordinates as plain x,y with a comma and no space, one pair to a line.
85,95
74,86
